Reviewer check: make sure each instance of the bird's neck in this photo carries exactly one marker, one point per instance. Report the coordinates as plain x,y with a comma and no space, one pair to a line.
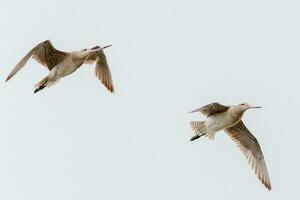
236,113
78,55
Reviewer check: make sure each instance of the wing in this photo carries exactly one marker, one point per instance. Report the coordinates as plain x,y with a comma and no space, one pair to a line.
250,147
47,55
44,53
102,70
211,109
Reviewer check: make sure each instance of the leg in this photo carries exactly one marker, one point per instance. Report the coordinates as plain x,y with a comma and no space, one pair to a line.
41,85
39,88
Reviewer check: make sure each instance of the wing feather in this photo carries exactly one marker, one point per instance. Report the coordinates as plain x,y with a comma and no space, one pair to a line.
211,109
44,53
102,69
21,64
48,56
250,147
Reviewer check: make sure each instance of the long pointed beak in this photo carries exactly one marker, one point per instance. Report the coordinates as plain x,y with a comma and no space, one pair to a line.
106,46
251,107
197,110
98,48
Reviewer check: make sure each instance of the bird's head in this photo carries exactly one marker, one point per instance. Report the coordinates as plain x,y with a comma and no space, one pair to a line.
245,106
98,48
85,52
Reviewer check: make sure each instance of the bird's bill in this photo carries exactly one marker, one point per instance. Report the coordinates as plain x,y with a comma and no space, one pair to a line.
106,46
251,107
197,110
98,48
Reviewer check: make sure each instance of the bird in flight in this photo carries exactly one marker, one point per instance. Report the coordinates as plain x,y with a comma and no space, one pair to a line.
61,64
229,119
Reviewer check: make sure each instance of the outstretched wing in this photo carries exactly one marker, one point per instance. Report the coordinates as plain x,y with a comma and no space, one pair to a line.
250,147
211,109
101,70
44,53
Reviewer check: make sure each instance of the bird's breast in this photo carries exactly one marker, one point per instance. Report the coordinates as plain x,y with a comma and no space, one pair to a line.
219,122
68,66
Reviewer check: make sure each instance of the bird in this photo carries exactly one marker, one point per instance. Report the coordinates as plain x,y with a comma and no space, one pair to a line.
61,64
229,119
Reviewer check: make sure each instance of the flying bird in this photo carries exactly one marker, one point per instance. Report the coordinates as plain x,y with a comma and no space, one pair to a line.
61,64
229,119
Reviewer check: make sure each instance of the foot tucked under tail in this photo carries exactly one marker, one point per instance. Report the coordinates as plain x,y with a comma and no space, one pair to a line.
199,129
41,85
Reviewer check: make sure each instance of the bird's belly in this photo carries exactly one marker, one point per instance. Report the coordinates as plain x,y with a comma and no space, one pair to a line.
218,122
64,69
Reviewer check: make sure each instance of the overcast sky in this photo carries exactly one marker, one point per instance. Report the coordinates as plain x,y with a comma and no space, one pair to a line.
76,141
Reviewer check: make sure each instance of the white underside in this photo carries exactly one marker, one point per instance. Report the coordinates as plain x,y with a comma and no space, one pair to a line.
65,68
218,122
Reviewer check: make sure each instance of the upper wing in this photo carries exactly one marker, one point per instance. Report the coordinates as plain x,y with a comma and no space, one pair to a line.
249,145
47,55
102,70
44,53
211,109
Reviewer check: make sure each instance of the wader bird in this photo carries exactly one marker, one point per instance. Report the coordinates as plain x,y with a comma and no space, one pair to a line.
228,118
61,64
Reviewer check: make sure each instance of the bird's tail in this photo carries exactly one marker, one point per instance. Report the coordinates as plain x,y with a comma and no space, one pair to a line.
199,129
41,85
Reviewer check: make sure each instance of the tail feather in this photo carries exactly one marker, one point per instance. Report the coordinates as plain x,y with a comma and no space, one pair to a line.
199,129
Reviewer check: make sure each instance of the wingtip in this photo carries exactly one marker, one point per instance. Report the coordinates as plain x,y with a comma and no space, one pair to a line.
111,90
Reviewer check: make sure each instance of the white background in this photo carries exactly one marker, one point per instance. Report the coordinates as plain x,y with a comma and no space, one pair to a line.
76,141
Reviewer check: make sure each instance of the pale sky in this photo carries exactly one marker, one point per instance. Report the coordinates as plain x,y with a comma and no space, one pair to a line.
76,141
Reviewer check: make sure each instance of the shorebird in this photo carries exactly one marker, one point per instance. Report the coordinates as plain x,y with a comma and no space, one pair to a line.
61,64
229,119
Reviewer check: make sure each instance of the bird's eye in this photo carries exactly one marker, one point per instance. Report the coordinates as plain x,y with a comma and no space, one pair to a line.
84,49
